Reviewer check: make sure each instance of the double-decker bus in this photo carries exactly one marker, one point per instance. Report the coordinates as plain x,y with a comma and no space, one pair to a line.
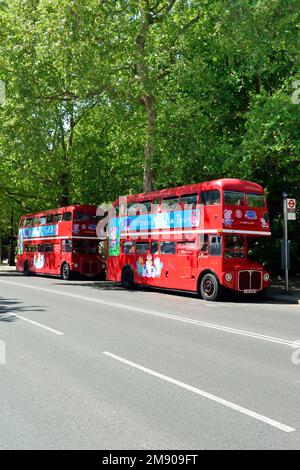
61,242
193,238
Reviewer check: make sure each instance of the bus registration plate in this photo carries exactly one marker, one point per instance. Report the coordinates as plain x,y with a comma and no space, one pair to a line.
250,291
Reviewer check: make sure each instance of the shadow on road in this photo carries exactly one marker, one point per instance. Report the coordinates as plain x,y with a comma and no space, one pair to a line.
227,297
11,307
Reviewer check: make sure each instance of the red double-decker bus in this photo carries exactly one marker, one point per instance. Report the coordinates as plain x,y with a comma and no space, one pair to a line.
193,238
61,242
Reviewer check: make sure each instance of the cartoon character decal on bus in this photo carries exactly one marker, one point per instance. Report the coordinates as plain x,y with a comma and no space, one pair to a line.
150,268
39,261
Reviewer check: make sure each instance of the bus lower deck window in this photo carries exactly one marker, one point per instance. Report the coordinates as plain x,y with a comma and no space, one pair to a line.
167,248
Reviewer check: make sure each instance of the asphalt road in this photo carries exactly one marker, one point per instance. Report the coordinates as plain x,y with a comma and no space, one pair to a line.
87,365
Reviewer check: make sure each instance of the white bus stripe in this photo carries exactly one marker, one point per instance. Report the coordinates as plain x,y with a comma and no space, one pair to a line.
202,393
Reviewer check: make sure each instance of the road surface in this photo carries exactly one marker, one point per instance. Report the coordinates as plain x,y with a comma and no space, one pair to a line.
87,365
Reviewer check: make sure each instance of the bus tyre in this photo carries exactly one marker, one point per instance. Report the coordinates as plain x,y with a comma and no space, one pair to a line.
66,274
127,278
209,287
26,269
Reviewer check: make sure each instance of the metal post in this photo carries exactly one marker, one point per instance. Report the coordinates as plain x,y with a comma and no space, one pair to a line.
11,257
285,243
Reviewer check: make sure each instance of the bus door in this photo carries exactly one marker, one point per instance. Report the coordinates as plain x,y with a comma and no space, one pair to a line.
187,263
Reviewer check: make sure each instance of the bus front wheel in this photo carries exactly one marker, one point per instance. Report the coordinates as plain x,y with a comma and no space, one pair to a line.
127,278
66,273
209,287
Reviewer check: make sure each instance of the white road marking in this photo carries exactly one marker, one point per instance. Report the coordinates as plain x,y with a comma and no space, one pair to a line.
202,393
214,326
40,325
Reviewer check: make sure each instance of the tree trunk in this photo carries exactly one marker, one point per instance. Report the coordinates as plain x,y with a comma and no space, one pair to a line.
149,149
64,184
147,99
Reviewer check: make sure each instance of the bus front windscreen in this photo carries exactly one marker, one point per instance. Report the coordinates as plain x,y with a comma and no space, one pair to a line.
234,246
89,247
84,217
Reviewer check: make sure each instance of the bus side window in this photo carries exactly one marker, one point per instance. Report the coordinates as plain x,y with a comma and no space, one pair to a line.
167,248
50,218
48,248
57,217
210,198
66,246
154,248
215,246
67,216
204,245
41,248
189,200
26,248
128,247
142,247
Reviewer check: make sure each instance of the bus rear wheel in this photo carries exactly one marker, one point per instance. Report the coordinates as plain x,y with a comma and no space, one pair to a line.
26,269
209,287
127,278
66,273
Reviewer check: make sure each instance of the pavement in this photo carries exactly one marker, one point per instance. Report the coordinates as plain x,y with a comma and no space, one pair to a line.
87,365
277,290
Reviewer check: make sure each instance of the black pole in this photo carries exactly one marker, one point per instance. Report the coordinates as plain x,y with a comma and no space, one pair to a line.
285,243
11,260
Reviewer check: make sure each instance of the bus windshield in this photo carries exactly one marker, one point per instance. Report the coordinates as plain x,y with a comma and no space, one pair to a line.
84,217
234,246
85,246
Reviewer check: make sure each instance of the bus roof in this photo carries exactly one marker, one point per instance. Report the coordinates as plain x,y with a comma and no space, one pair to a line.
61,210
232,184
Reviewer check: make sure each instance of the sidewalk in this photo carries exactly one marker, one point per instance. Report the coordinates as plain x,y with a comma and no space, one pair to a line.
4,268
276,291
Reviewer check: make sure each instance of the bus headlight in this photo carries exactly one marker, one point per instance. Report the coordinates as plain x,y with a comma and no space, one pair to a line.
228,277
266,277
75,265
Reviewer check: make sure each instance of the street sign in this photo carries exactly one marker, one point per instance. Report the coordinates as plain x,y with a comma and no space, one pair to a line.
291,209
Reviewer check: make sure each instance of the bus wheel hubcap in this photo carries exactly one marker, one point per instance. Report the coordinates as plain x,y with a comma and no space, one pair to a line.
208,287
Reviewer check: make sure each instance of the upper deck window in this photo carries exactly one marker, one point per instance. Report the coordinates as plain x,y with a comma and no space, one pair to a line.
189,199
67,216
137,208
170,202
255,200
234,198
57,217
84,217
210,198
